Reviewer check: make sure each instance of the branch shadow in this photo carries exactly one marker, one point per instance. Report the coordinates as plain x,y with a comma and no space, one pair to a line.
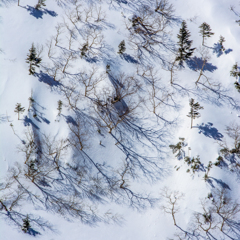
45,78
221,183
70,119
38,13
228,51
33,232
28,122
129,58
217,48
3,118
209,131
196,63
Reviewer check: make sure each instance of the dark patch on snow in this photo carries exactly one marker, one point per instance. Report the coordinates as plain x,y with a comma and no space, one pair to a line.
221,183
210,131
129,58
69,119
38,13
228,51
45,78
196,63
28,122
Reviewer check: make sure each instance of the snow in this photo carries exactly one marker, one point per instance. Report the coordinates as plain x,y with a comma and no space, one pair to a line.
20,27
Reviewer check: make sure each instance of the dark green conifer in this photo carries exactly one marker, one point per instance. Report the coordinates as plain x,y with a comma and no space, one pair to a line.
235,72
121,47
221,41
195,107
205,31
84,50
59,108
33,60
41,3
19,109
185,51
26,224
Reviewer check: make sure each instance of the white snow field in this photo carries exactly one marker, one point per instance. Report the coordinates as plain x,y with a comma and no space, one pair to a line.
89,156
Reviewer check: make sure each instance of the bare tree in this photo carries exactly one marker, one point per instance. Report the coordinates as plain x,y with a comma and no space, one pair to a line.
93,42
148,31
160,97
170,204
90,80
219,216
60,30
230,150
113,105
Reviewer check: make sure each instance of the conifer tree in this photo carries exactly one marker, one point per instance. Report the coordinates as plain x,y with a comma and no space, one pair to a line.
205,31
235,72
108,68
59,108
221,41
121,47
185,51
237,86
26,224
33,60
40,4
194,110
19,109
84,50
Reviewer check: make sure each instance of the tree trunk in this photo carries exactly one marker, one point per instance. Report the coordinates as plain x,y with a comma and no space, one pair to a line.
18,2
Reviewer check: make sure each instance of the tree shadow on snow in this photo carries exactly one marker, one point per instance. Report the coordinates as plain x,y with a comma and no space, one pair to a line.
28,122
70,119
45,78
38,13
221,183
32,232
196,63
217,48
3,118
210,131
129,58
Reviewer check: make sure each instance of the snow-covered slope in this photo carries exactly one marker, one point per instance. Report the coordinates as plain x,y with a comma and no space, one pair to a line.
100,167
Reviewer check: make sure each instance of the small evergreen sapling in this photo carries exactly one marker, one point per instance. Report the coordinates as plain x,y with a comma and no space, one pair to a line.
237,86
221,41
121,47
108,68
59,108
235,73
41,3
194,163
26,224
195,107
84,50
178,148
205,31
31,101
33,60
19,109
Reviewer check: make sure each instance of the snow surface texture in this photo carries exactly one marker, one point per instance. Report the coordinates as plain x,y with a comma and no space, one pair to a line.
101,168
